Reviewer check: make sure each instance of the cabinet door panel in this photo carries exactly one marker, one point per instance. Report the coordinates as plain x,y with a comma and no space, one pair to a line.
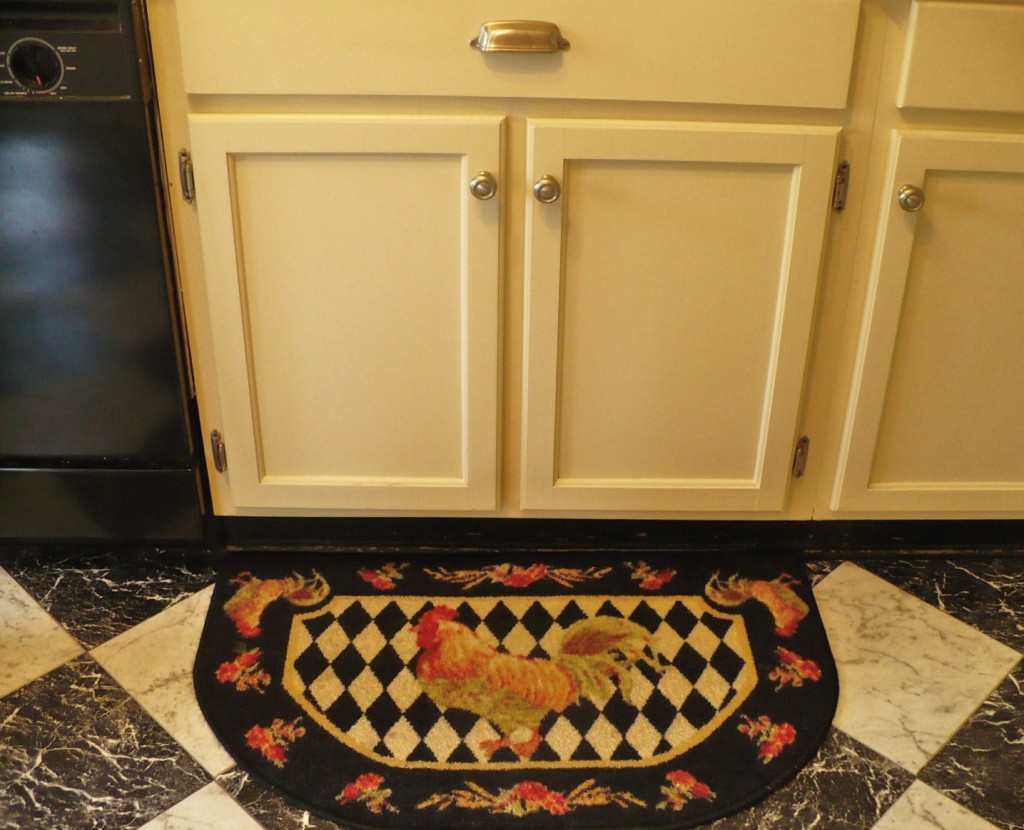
934,415
670,297
353,285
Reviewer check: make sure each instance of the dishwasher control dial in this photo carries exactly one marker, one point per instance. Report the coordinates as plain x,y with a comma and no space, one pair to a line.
35,65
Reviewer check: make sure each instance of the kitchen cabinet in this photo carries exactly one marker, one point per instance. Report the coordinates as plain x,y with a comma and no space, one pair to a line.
352,318
933,422
355,279
935,410
657,328
353,283
670,297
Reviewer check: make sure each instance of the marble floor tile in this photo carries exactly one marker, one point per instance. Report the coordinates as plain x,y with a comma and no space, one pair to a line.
97,594
909,674
987,594
31,642
208,809
153,661
270,808
845,787
96,760
64,702
82,748
982,767
921,808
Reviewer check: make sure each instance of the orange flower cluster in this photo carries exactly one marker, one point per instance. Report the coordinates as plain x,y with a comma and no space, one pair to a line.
245,672
515,576
649,579
272,741
771,738
681,789
367,789
512,577
531,797
383,578
793,669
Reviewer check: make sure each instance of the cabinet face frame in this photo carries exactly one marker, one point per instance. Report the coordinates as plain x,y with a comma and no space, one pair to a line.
473,143
914,156
807,155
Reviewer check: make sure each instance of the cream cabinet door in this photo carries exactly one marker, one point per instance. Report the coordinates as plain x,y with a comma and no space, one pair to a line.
670,296
935,412
352,281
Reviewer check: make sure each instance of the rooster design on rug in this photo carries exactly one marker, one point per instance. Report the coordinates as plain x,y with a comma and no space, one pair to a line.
459,670
253,595
777,595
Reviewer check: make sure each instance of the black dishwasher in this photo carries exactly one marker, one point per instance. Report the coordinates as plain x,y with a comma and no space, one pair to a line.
96,423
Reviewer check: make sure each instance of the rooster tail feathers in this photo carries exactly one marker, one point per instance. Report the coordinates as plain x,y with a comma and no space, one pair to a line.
596,650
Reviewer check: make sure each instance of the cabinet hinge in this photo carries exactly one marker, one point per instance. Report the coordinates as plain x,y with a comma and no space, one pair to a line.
188,181
841,186
803,447
218,451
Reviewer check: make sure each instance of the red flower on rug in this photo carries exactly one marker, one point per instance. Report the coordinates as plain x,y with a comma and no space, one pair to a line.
245,672
771,738
272,741
530,797
649,579
368,789
793,669
681,789
384,578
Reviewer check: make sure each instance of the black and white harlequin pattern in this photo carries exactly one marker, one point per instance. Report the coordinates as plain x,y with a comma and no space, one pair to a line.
351,665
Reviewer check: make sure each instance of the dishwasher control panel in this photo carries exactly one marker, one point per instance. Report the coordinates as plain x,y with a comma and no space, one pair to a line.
61,51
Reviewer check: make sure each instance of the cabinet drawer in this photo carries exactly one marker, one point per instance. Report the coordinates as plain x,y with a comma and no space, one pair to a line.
965,56
783,53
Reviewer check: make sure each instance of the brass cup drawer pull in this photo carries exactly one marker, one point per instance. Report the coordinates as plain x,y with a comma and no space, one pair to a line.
519,36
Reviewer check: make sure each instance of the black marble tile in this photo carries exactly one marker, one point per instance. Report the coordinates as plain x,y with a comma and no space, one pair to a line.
982,767
97,595
846,787
818,569
986,593
272,810
66,700
89,757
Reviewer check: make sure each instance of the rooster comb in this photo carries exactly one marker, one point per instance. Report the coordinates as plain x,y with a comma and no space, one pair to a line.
440,612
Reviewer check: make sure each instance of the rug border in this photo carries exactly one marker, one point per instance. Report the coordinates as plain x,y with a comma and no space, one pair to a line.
820,736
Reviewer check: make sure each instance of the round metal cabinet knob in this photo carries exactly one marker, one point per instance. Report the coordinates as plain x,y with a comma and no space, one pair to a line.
547,189
483,186
911,198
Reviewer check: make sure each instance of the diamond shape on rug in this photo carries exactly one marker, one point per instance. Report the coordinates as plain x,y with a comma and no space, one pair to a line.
474,690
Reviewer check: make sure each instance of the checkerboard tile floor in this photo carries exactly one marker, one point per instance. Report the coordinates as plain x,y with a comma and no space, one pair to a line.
99,727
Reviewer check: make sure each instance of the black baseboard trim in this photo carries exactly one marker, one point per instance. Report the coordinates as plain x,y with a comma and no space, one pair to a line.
823,539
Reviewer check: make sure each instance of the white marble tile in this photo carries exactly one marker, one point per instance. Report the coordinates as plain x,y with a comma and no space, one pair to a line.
922,808
909,674
32,643
211,808
153,661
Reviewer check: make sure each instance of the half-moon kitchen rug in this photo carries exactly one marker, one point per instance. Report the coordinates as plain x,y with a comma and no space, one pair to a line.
578,690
